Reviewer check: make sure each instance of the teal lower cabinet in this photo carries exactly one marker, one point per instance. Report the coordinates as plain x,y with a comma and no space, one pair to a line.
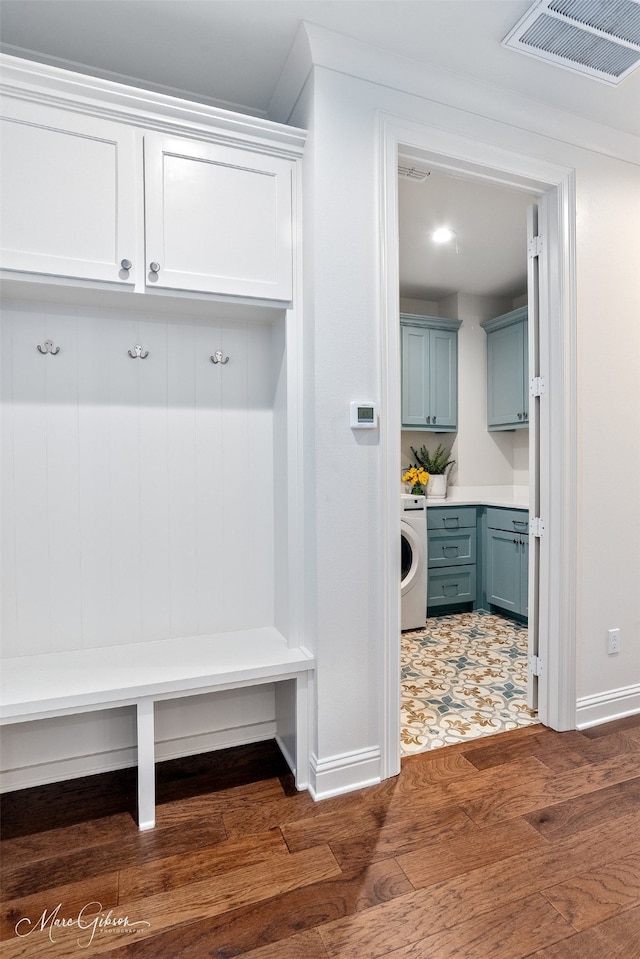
452,549
507,561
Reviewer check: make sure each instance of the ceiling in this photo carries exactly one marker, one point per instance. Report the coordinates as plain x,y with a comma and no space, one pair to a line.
231,53
489,253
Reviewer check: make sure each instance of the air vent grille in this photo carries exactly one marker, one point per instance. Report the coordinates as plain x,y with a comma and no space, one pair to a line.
616,18
412,173
597,38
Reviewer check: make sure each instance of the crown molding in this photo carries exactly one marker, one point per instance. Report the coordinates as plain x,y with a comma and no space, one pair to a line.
315,46
96,96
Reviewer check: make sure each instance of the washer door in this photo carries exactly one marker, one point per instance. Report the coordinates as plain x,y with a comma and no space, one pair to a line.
410,556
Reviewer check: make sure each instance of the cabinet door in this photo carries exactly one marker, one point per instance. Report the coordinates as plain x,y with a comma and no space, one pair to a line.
503,570
67,193
218,219
505,377
415,369
443,379
429,378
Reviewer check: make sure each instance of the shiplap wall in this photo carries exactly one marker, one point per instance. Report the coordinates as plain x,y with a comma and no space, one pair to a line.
137,494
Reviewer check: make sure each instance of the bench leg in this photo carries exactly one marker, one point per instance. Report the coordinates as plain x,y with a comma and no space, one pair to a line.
146,765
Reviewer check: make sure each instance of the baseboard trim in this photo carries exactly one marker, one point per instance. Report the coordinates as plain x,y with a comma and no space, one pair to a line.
607,706
41,774
344,773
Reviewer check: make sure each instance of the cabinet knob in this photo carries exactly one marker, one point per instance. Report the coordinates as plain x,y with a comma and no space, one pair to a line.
126,264
433,419
154,267
428,418
519,416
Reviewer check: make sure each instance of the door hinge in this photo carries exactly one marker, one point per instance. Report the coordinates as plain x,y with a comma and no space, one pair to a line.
537,386
536,526
535,665
535,246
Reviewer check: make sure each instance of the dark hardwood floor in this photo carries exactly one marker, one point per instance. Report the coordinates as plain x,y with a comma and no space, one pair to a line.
525,844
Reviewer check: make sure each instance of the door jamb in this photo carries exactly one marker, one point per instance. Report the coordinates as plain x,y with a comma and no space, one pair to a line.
557,623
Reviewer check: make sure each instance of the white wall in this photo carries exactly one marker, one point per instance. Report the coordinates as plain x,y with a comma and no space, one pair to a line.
343,117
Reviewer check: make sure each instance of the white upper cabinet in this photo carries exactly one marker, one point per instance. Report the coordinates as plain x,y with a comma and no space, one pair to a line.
217,219
107,184
67,193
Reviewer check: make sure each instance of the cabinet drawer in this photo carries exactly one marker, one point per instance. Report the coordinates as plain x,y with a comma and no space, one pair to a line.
512,520
445,517
455,584
452,547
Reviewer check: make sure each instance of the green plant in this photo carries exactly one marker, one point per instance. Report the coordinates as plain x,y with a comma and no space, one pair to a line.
434,463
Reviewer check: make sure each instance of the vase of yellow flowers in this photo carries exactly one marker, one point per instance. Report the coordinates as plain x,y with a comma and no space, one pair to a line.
418,478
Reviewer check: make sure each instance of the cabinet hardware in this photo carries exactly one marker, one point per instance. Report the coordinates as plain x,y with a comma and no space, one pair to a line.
138,353
521,522
154,267
48,347
449,586
445,548
218,357
126,264
433,419
428,418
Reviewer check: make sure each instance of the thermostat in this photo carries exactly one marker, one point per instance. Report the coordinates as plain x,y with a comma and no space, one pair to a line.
364,416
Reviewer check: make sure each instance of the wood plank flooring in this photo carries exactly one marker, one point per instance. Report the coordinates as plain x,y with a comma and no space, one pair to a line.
525,844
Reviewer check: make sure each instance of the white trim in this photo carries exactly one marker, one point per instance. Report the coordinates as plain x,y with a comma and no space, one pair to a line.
111,76
39,83
558,595
479,100
604,707
344,773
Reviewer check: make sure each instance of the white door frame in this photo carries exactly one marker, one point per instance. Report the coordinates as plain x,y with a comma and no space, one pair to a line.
555,186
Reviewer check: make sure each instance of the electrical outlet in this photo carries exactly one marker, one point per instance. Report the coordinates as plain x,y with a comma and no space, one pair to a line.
613,641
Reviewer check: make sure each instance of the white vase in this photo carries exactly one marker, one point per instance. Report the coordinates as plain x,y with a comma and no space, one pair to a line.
437,486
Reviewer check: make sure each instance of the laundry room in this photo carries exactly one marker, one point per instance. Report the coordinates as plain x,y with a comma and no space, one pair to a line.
465,424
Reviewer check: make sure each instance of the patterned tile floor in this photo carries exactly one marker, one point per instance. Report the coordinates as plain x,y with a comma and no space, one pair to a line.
463,676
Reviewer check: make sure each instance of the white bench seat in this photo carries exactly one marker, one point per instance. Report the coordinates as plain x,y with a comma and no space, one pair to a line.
140,674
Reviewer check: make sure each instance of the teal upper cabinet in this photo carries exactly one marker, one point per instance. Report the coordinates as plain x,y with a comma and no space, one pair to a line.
429,373
507,371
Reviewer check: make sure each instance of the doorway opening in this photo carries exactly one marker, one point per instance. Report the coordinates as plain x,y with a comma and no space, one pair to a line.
465,671
552,586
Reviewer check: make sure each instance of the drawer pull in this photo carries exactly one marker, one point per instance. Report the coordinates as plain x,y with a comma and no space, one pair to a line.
444,548
451,519
450,586
520,522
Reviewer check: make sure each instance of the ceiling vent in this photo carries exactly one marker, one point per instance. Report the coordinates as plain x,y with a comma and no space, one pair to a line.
412,173
595,38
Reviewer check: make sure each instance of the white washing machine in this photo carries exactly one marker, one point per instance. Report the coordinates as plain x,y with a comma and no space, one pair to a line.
413,577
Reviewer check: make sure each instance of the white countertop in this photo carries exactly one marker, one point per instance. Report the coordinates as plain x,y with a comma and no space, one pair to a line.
515,497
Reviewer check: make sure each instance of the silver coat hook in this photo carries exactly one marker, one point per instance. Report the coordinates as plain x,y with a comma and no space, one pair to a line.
218,357
138,353
48,347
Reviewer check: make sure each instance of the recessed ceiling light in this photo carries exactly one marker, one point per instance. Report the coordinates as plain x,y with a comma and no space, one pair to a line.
443,235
